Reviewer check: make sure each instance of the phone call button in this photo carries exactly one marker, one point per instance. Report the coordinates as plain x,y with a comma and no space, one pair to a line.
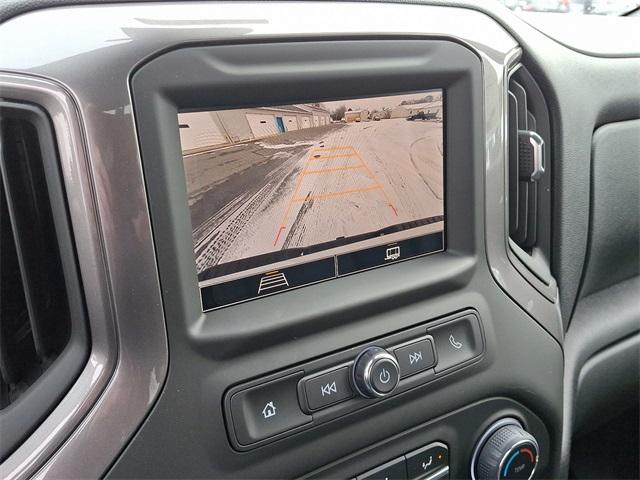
457,341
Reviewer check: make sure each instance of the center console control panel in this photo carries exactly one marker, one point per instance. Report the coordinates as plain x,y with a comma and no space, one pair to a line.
270,408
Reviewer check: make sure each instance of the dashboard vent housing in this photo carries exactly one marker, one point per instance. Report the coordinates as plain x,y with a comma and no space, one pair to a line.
529,180
43,335
526,167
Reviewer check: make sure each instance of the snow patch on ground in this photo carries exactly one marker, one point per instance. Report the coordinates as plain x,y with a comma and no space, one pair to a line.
284,145
281,156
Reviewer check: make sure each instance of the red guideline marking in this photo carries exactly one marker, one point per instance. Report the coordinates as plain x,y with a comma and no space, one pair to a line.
278,235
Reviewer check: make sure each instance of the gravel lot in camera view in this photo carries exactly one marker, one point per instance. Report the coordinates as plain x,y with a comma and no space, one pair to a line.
310,185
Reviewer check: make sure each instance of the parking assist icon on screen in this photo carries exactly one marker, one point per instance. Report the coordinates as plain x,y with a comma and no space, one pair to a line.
272,280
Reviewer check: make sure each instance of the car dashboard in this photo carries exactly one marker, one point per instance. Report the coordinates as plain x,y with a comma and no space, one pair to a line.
268,272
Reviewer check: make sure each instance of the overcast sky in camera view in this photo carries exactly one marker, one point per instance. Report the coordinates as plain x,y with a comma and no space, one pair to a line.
378,103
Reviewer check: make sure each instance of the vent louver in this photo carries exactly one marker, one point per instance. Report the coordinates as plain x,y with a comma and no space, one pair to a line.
526,166
43,338
529,182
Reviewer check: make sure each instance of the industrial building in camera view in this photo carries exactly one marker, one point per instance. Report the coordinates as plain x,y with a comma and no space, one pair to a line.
201,130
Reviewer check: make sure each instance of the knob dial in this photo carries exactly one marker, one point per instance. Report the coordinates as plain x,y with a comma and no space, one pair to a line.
376,373
506,451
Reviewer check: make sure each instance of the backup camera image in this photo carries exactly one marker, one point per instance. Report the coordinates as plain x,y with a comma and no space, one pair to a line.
282,186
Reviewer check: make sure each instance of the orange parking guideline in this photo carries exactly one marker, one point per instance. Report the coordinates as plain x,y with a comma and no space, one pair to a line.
315,158
299,182
331,149
337,194
384,192
334,169
293,199
290,203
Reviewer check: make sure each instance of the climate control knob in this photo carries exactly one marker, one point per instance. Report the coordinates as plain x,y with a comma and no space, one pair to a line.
376,372
506,451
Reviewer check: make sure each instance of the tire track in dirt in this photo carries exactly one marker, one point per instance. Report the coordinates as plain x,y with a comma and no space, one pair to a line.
299,220
224,227
220,240
413,161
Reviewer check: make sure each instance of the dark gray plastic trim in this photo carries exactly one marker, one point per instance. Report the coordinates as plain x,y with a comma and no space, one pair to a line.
601,320
122,371
613,251
614,369
22,417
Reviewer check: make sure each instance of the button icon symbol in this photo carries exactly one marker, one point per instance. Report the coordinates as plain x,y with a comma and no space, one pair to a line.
454,343
272,280
385,376
426,465
415,357
329,388
269,410
393,253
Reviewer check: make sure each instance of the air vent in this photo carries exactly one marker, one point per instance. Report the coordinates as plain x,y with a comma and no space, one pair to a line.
526,167
529,180
43,338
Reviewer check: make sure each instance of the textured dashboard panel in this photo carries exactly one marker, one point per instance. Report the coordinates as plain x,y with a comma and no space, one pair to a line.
614,38
600,322
614,247
617,36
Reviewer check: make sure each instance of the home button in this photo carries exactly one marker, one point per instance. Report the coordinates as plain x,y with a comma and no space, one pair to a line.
266,410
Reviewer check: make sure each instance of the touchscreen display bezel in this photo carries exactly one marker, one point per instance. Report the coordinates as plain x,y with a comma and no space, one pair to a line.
355,256
222,77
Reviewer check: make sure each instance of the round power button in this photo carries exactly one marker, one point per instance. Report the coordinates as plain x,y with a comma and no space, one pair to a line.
376,372
384,376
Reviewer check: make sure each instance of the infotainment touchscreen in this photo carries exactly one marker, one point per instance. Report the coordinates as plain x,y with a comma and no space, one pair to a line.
290,195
